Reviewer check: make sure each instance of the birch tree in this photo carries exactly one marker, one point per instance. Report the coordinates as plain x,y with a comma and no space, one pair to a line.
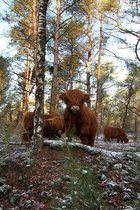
39,75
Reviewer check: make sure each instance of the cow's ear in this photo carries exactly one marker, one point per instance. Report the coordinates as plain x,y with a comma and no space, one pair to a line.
86,97
62,97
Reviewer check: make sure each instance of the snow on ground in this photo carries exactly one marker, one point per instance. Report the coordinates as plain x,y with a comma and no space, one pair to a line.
14,149
116,165
108,148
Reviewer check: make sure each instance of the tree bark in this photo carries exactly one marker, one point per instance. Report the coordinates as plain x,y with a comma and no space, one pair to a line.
27,79
130,93
35,28
56,52
99,72
88,63
136,118
39,74
31,49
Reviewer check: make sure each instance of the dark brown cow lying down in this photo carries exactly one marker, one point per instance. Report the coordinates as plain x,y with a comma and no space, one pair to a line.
79,117
53,125
115,133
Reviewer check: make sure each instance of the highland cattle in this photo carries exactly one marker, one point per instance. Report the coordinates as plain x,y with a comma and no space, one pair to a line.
78,117
110,132
53,125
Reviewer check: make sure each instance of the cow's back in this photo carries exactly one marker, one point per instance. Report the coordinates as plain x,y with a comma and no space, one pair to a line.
115,133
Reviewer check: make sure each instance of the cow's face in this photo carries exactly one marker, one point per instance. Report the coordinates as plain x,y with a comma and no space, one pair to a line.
74,99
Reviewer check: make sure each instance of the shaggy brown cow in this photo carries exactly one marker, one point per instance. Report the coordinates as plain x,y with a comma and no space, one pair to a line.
53,127
28,126
115,133
54,114
78,117
49,124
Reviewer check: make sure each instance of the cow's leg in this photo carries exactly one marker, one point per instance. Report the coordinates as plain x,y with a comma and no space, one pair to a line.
83,134
118,140
91,142
84,139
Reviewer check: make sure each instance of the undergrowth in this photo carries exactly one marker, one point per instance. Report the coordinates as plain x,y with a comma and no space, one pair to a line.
83,191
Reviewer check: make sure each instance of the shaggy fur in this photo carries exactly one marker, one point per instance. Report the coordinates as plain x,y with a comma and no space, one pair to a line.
49,124
115,133
79,118
53,127
28,126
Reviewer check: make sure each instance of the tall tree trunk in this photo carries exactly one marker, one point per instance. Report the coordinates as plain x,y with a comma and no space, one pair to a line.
99,73
35,28
28,73
71,76
130,93
56,52
21,104
27,79
136,118
40,72
88,63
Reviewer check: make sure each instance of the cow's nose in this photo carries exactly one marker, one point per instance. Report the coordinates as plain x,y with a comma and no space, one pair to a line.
74,108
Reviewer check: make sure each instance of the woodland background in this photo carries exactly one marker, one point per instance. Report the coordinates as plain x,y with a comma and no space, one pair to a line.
69,44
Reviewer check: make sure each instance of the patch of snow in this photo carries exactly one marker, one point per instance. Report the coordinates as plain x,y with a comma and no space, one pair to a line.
138,195
129,208
110,149
84,172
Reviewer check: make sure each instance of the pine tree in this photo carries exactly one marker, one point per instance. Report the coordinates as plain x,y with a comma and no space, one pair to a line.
56,52
4,79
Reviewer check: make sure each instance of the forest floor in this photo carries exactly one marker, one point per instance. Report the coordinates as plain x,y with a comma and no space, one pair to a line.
70,176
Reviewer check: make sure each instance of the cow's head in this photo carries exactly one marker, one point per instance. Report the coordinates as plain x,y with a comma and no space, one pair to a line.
74,99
